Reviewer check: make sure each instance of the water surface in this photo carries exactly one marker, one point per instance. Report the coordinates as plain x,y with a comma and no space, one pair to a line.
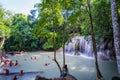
80,67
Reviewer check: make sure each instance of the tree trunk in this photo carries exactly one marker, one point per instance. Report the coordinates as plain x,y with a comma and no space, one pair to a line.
99,75
64,44
54,42
2,42
116,31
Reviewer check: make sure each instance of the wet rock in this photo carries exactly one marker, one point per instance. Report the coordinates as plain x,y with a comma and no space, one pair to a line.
115,78
40,78
68,77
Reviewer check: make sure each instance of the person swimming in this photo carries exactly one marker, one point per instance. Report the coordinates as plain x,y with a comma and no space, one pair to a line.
16,63
14,78
21,72
6,71
11,63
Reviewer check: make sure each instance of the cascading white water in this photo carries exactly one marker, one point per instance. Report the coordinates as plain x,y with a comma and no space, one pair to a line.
84,46
81,45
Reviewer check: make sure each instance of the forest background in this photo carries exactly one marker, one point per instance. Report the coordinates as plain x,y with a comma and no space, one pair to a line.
56,20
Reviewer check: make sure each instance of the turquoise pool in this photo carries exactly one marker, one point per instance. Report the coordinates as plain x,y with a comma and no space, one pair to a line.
80,67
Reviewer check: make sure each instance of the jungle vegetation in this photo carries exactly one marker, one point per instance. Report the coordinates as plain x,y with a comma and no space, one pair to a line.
64,18
53,22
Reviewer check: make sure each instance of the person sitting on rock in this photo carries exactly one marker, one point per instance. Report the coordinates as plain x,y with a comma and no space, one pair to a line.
64,71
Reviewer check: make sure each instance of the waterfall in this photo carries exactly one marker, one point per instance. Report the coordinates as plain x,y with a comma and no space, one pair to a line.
81,45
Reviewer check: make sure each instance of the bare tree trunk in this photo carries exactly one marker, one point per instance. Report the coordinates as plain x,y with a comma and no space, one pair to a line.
2,42
99,75
116,31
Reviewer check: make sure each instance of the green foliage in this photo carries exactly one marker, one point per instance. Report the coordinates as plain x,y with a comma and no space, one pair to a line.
4,31
48,46
4,28
50,18
59,19
71,17
4,25
21,34
103,26
101,15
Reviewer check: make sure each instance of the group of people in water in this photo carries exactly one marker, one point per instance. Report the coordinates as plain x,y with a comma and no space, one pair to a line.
15,76
9,63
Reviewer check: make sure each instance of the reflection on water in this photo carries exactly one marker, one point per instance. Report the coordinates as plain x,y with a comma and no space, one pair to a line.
80,67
